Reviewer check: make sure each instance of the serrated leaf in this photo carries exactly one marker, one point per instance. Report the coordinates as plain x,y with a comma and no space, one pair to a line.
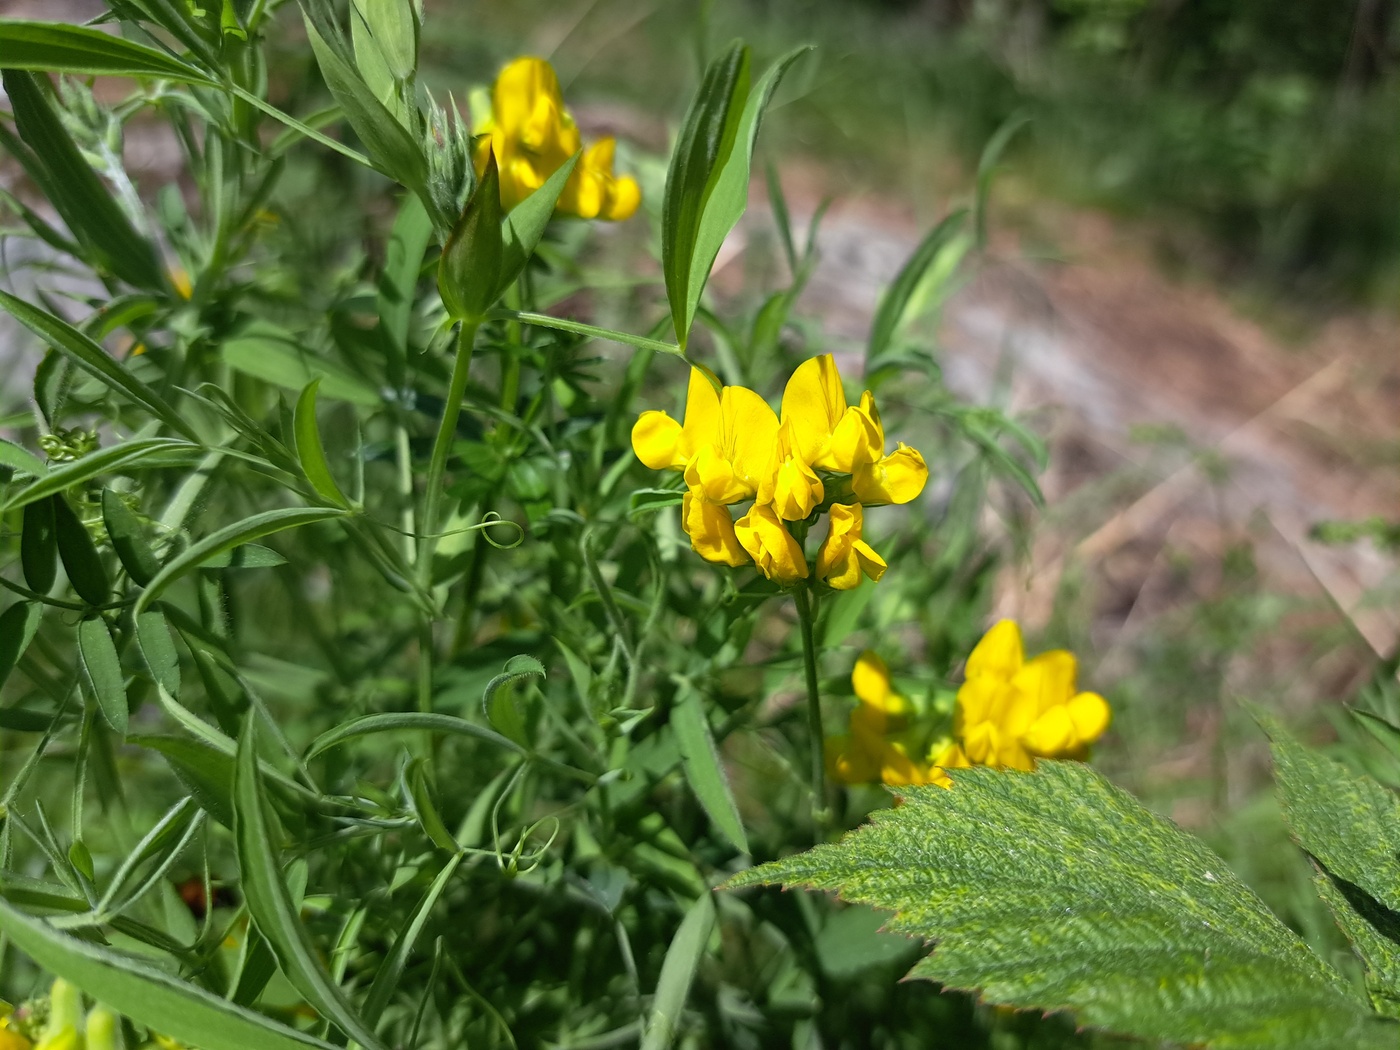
229,537
18,624
102,672
703,770
1055,890
270,902
311,452
678,973
149,996
1350,825
52,47
128,538
79,555
94,360
399,721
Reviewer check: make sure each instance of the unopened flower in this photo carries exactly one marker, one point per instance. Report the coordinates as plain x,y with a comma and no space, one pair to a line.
1011,710
844,557
533,134
773,549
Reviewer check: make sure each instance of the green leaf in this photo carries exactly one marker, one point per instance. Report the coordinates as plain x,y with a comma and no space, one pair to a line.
727,192
409,239
53,47
1350,826
310,451
426,811
38,546
678,973
703,770
94,464
498,698
469,271
394,24
18,625
128,538
397,721
21,459
79,196
525,224
706,137
79,555
275,356
648,501
162,845
230,536
246,556
270,902
889,315
102,671
206,773
158,650
149,996
1055,890
390,972
90,357
392,150
987,169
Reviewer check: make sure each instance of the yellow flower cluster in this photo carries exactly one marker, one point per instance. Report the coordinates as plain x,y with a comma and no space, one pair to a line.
731,447
532,135
1009,712
63,1024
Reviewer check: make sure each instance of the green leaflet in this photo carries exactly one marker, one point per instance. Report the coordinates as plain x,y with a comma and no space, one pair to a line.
21,459
469,271
1350,826
498,699
403,720
149,996
103,461
310,450
38,546
525,224
270,902
128,538
276,356
18,624
703,770
1055,890
79,555
102,671
51,47
678,972
894,304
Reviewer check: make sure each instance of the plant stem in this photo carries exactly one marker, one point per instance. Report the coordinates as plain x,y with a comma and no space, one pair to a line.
432,501
820,814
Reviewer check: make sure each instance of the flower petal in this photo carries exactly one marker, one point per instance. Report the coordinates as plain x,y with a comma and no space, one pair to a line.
814,402
1090,714
748,432
1046,681
871,678
999,654
711,531
777,555
656,441
1051,735
896,478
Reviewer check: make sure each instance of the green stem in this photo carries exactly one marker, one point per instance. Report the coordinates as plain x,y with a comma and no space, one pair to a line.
820,813
432,502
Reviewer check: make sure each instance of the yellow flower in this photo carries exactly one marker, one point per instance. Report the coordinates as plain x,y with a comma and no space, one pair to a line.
867,754
844,557
790,484
830,435
711,531
1011,710
662,443
778,556
10,1040
532,135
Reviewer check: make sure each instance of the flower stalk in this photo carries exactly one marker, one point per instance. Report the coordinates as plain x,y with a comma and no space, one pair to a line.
806,618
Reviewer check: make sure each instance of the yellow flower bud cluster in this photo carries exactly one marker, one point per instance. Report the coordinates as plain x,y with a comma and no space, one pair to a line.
732,448
1009,712
60,1022
533,134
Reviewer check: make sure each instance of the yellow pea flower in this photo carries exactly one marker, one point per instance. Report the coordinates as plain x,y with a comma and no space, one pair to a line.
778,556
10,1040
711,531
844,557
1011,710
662,443
831,435
533,134
730,467
867,754
790,484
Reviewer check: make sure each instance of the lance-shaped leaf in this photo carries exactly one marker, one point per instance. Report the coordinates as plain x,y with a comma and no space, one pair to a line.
125,454
525,224
54,47
678,973
79,555
1055,890
270,902
895,302
93,359
1350,826
38,546
149,996
400,721
310,450
18,625
703,770
128,538
54,161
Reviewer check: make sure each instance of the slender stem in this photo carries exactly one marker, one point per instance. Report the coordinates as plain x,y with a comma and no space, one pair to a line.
820,813
432,502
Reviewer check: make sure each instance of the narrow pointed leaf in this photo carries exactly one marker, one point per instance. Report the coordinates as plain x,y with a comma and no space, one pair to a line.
158,650
893,304
124,455
399,721
53,47
678,973
525,224
21,459
311,452
128,538
18,625
390,971
703,770
38,546
469,272
270,902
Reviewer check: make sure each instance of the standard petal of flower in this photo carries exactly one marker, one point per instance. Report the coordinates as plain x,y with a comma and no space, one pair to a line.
870,678
1046,681
711,531
856,441
656,439
701,426
999,653
777,555
749,430
1090,714
814,403
896,478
